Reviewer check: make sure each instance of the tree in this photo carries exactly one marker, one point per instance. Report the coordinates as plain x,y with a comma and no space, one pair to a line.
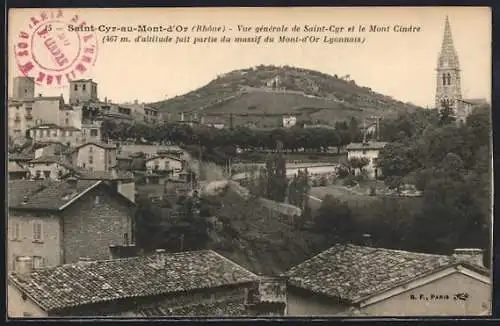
358,163
446,115
334,219
276,175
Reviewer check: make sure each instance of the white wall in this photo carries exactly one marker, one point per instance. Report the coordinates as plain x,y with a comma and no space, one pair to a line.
18,307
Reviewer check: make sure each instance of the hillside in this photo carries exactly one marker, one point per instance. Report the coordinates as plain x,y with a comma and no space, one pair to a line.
270,90
260,239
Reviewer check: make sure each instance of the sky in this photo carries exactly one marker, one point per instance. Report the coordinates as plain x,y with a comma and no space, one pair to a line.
401,65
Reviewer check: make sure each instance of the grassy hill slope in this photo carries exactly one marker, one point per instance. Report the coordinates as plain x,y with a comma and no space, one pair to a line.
309,93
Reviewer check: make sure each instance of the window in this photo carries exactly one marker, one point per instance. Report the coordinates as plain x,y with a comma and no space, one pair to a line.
70,133
93,132
83,87
54,133
96,200
448,78
91,160
83,165
46,174
125,238
76,87
37,231
14,231
38,262
444,79
66,121
91,149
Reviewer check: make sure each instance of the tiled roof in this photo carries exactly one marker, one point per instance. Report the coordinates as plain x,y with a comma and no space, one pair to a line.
476,101
78,284
21,157
105,175
351,272
45,195
367,145
102,145
20,188
53,159
54,126
161,156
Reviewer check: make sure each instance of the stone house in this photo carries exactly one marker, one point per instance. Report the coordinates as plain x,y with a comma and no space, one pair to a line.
164,164
193,283
94,156
56,222
70,136
349,280
370,151
49,167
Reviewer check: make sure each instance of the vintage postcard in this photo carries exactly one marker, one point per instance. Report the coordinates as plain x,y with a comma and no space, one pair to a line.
249,162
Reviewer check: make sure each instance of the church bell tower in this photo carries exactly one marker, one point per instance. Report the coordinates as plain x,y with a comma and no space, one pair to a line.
448,91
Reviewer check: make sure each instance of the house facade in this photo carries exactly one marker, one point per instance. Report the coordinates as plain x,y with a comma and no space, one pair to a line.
57,222
94,156
49,167
164,164
192,283
370,151
17,171
20,118
349,280
70,136
91,132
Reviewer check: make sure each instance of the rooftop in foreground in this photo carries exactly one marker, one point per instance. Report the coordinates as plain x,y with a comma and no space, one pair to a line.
92,282
352,273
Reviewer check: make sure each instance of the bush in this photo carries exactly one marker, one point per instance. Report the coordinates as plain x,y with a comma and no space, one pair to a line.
350,181
342,172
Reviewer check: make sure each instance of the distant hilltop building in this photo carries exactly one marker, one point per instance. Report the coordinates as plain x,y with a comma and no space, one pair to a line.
448,90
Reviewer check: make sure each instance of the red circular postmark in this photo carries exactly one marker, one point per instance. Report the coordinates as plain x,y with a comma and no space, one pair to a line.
55,49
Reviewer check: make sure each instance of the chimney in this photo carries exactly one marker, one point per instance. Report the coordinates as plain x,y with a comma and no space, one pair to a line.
105,99
471,255
84,259
160,257
367,240
24,266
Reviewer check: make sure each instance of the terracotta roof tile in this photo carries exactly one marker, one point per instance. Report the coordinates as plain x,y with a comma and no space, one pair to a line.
100,144
44,195
104,175
53,159
83,283
351,272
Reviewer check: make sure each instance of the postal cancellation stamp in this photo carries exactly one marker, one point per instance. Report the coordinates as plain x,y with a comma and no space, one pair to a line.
52,54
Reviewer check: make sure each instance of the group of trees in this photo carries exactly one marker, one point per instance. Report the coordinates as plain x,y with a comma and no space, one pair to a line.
317,139
450,163
176,226
271,182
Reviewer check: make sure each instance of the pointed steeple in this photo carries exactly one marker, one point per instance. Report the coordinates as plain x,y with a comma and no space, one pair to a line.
448,90
448,55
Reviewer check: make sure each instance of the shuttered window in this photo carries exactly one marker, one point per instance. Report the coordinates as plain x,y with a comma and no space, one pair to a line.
37,231
15,231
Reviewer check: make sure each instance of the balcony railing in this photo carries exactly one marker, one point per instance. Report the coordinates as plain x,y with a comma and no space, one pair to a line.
28,116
